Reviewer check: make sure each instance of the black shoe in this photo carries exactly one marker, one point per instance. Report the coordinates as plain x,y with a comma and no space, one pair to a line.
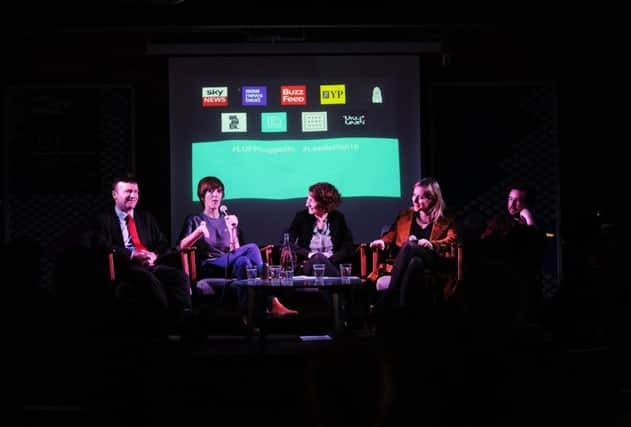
183,323
253,330
374,311
380,308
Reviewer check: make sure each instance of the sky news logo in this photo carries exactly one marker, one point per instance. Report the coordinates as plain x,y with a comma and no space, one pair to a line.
293,95
254,95
215,96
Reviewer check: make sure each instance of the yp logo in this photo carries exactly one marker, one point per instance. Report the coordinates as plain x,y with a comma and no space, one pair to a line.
332,94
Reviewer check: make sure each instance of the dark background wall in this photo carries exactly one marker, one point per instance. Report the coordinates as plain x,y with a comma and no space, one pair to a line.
504,102
541,100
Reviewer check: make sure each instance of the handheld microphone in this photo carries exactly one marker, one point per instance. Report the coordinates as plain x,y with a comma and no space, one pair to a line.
412,240
224,211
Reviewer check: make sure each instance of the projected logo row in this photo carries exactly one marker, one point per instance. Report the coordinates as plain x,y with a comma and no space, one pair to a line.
289,95
311,121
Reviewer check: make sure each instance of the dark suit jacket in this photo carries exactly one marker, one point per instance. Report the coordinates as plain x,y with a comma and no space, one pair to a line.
108,235
301,228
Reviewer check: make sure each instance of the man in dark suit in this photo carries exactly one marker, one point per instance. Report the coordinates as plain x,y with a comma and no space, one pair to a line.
159,292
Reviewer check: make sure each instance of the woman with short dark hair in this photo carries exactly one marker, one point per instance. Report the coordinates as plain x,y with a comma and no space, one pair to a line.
218,245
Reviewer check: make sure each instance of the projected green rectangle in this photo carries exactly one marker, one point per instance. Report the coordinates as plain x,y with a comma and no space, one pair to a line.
284,169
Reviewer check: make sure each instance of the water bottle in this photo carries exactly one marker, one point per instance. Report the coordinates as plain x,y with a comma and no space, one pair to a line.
287,261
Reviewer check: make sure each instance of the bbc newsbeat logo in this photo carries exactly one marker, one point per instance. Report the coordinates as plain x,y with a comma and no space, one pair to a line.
254,95
215,96
333,94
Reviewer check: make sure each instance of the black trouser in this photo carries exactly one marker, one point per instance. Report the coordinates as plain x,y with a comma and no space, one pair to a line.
407,284
161,292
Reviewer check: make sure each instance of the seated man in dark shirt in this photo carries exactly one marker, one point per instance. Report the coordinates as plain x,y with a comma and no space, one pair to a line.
507,262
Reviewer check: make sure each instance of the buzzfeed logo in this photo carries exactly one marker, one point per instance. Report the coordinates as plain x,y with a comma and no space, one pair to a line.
215,96
293,95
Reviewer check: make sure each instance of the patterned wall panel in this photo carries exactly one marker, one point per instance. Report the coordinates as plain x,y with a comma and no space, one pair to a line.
64,144
486,136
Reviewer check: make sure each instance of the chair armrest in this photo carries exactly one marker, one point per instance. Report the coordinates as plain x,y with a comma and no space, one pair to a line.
373,275
110,266
187,256
459,256
375,261
189,265
453,251
363,262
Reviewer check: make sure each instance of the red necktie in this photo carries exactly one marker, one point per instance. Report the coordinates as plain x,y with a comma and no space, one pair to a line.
131,225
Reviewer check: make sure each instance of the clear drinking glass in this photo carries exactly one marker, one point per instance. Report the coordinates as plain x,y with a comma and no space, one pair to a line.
287,277
251,274
318,273
274,274
346,271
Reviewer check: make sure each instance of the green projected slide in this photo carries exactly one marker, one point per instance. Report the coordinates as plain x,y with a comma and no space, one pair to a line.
284,169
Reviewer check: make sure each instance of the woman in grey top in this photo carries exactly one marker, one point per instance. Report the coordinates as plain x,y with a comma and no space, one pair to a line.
217,240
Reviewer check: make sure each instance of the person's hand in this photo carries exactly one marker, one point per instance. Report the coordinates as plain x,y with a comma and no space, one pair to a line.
144,258
203,229
231,221
151,258
526,217
378,243
425,243
139,257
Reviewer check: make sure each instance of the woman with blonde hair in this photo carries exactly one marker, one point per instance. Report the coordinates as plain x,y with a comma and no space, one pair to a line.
414,238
